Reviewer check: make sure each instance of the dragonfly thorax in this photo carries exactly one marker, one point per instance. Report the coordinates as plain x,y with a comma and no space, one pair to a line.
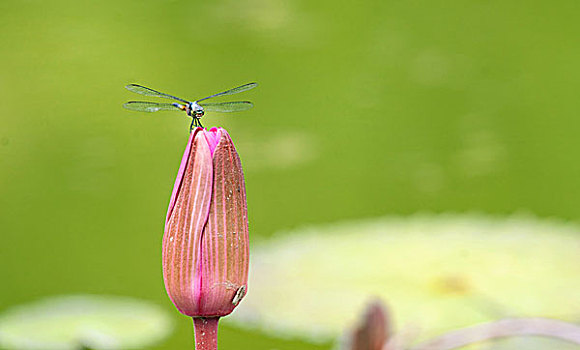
195,110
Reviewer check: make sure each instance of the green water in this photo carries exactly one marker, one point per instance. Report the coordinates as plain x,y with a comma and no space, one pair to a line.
363,109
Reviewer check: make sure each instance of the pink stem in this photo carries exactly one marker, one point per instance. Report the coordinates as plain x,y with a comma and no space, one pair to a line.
206,331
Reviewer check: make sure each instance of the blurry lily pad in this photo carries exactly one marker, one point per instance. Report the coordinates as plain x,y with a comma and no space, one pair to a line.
435,272
83,321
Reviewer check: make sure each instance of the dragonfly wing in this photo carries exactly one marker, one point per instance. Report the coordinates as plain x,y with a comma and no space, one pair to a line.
142,106
234,106
150,92
235,90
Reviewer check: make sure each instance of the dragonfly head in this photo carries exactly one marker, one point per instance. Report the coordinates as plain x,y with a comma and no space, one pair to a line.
195,110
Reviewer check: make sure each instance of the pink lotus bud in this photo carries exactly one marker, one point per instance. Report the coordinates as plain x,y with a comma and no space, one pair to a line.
373,331
205,245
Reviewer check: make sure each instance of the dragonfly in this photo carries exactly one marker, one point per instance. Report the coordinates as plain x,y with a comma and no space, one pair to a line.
194,109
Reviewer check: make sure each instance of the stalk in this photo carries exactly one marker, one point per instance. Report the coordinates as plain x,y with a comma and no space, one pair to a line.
206,331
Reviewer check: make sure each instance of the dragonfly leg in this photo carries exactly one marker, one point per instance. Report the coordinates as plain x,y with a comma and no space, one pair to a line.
195,122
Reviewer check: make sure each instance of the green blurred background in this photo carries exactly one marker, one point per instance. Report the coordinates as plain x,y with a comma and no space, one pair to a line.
363,109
